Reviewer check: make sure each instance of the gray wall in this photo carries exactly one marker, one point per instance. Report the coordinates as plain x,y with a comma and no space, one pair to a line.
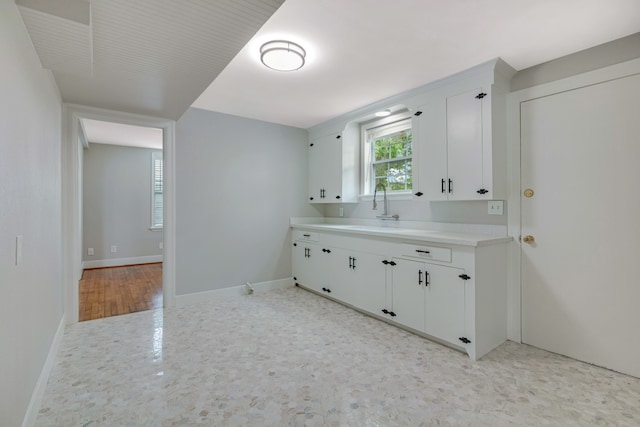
31,306
117,203
604,55
237,183
466,212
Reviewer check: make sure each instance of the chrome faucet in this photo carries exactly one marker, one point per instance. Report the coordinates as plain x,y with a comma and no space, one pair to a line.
385,214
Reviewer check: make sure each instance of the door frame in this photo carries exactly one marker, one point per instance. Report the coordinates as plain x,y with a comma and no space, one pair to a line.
72,146
514,100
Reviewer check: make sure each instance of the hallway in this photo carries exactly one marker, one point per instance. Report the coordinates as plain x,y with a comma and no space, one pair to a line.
106,292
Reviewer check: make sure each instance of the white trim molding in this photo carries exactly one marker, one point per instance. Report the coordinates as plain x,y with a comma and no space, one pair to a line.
72,197
232,292
38,391
514,100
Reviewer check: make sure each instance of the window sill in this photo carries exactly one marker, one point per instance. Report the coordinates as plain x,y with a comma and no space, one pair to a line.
156,228
405,195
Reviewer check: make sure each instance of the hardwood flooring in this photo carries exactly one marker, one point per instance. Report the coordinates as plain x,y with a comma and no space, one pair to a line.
112,291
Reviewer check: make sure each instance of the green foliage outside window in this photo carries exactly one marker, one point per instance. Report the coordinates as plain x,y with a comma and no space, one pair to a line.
392,161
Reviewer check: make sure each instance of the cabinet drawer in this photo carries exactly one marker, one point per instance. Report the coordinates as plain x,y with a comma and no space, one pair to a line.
432,253
307,236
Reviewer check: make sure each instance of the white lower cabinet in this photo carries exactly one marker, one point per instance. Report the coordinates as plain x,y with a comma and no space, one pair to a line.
454,294
307,265
429,298
407,293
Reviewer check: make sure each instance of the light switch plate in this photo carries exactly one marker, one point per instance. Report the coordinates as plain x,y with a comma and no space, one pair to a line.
114,249
496,207
18,249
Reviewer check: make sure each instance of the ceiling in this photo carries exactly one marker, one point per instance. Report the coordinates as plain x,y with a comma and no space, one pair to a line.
150,57
157,57
361,51
99,132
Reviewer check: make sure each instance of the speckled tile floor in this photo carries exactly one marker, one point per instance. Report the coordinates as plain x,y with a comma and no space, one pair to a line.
291,358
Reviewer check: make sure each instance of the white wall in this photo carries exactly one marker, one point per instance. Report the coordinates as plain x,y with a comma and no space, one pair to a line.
117,203
31,306
238,181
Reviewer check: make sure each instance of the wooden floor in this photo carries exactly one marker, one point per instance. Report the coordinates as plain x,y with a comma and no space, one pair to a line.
112,291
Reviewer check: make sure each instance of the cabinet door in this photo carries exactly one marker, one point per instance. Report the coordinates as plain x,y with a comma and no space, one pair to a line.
325,169
431,151
464,145
343,275
307,266
444,303
408,291
366,280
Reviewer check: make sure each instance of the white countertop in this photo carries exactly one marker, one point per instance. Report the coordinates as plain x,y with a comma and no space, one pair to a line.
452,238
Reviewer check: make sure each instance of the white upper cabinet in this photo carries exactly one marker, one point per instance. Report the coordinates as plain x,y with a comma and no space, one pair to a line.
333,166
325,159
459,140
462,146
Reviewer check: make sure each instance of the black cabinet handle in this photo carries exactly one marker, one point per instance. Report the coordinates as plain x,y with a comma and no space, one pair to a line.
442,186
419,277
426,278
306,235
422,251
350,262
354,263
450,186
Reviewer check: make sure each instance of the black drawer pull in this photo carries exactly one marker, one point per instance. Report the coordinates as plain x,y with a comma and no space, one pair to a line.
422,251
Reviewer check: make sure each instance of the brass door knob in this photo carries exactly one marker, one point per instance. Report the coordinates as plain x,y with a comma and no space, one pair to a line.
528,239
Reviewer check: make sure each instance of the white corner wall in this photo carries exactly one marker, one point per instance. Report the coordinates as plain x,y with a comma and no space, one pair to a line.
238,181
31,306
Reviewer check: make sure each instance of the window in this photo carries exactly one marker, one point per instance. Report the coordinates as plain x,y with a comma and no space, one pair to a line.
157,187
387,155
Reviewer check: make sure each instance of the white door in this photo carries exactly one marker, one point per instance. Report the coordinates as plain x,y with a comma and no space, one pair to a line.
580,277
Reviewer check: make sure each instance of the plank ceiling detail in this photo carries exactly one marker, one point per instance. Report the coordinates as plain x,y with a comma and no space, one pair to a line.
141,56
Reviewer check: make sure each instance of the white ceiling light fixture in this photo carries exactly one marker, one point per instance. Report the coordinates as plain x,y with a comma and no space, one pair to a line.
383,113
282,55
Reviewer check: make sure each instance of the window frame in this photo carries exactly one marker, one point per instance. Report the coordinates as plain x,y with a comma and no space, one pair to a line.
387,125
156,155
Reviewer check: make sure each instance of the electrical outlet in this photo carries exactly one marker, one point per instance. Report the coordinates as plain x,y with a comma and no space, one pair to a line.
114,249
341,211
90,251
496,207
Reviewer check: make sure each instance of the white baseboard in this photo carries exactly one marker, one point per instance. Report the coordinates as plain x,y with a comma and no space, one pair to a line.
233,291
98,263
38,391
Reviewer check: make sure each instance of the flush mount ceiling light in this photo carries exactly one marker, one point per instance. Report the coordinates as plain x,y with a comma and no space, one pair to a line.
282,55
383,113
